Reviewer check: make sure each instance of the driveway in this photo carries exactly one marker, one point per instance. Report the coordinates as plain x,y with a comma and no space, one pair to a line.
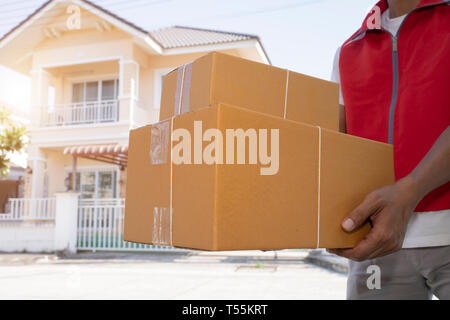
198,275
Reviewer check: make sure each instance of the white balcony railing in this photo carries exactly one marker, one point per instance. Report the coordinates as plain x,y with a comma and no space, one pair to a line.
80,113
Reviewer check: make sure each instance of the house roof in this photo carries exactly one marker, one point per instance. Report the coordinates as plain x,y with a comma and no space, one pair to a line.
179,36
47,3
166,38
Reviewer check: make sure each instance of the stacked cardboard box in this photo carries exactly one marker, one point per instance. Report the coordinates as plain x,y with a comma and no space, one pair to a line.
226,171
220,78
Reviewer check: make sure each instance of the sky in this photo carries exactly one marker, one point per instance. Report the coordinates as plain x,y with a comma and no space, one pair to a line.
300,35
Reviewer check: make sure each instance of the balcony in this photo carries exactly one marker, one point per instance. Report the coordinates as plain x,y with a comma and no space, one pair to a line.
80,113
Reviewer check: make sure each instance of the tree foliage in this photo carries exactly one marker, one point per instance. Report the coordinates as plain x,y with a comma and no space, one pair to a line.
12,139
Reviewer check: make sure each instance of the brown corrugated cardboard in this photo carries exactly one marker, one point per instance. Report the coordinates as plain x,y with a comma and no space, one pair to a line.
220,78
320,177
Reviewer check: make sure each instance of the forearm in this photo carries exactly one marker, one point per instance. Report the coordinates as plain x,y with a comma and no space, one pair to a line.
433,171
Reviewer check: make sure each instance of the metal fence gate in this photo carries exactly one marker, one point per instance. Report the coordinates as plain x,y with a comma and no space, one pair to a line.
100,227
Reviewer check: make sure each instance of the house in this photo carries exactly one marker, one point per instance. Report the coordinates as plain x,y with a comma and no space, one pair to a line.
94,77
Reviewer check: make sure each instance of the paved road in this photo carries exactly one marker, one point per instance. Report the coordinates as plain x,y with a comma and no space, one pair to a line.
167,276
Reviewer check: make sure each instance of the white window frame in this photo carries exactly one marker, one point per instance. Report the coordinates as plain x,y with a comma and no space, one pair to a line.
100,87
96,170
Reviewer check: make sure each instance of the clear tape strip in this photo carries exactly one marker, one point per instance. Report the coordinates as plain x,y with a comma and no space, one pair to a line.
162,226
179,90
186,96
183,90
318,186
159,142
162,216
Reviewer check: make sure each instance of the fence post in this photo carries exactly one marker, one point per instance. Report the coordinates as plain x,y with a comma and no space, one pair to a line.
66,222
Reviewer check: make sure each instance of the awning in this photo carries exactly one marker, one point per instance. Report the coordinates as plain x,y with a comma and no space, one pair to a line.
114,154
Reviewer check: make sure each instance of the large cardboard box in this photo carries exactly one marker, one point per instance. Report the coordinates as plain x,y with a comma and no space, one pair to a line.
220,78
298,199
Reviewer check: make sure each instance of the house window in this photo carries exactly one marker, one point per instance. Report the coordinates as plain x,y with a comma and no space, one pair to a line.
109,90
93,91
96,184
93,102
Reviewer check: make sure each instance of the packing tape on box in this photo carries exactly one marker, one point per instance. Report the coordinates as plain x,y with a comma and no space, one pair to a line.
162,226
178,91
160,142
183,91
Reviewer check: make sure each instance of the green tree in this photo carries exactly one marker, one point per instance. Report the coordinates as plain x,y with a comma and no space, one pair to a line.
12,139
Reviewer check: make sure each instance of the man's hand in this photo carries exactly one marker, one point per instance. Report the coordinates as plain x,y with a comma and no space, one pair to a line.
388,209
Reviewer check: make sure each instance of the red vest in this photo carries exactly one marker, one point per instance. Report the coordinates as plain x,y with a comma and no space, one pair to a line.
396,88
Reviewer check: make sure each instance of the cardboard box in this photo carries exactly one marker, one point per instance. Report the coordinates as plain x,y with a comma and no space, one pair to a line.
220,78
320,177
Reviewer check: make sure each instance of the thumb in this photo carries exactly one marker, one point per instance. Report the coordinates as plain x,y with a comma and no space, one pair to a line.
361,213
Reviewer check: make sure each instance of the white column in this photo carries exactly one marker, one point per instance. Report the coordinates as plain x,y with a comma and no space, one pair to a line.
129,73
37,162
66,222
129,76
40,80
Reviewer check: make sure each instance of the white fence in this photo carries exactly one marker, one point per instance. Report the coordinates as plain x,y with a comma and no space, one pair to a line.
80,113
34,225
100,227
29,209
28,225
